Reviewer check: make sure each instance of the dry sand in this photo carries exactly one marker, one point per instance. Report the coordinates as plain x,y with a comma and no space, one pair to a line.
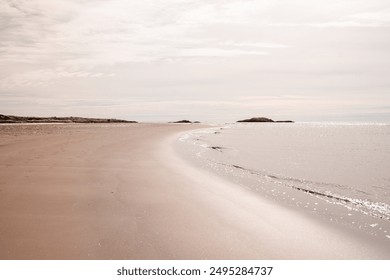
120,192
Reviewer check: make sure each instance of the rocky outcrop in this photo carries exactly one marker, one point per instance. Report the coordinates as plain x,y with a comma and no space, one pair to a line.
185,121
262,120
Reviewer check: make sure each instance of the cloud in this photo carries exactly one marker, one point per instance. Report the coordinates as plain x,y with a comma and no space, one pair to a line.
215,52
102,49
116,31
94,32
60,33
43,77
376,18
379,18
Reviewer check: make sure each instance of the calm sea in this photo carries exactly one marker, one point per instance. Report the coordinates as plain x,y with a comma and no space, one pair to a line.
336,172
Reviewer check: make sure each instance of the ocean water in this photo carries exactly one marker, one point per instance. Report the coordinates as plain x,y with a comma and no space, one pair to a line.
339,173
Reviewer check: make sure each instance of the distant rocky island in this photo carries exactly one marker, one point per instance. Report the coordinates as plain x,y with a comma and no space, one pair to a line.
185,121
262,120
18,119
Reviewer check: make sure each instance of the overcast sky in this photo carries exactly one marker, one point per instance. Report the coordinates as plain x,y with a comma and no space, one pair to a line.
204,60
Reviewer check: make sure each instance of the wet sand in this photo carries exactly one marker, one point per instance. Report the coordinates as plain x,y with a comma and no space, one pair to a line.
120,192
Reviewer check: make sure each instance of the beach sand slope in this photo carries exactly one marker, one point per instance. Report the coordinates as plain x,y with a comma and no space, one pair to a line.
120,192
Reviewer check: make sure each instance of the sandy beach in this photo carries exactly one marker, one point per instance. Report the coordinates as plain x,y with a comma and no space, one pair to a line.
119,191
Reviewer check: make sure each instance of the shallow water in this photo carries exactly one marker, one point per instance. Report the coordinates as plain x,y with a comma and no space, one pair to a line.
338,172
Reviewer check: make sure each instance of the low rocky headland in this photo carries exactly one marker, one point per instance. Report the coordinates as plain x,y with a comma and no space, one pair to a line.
19,119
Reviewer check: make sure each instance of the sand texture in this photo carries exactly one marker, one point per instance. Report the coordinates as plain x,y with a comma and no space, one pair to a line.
118,191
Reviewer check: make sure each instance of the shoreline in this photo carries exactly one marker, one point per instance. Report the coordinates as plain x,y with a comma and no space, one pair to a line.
314,237
122,192
218,151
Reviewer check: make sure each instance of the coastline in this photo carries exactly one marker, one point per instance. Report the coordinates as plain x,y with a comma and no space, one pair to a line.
122,192
278,230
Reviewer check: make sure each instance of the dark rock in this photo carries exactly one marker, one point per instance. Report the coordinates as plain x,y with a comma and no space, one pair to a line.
261,119
182,121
